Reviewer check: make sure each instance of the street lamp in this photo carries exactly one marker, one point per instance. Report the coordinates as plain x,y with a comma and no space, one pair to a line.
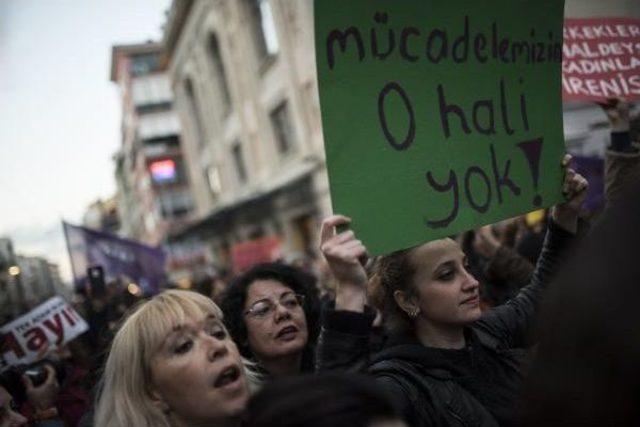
15,272
133,289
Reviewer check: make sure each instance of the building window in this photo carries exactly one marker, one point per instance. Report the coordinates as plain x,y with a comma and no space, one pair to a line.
144,64
167,171
256,233
149,91
303,233
174,204
238,160
220,76
282,128
263,28
213,178
194,112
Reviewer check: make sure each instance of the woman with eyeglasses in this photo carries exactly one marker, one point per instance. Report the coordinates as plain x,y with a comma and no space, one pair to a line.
272,313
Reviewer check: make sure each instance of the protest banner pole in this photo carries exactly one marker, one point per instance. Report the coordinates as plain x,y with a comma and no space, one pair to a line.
66,238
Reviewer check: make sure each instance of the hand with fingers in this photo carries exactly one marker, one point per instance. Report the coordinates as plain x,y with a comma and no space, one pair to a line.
346,256
575,189
43,396
617,111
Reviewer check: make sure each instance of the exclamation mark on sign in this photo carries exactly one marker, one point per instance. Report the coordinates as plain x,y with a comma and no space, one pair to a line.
532,150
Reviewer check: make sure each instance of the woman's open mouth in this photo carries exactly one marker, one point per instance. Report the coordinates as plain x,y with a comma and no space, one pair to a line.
228,376
287,333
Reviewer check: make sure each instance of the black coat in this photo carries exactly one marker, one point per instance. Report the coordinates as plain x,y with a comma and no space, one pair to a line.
475,386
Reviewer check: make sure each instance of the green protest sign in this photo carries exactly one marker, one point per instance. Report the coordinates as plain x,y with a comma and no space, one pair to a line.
439,116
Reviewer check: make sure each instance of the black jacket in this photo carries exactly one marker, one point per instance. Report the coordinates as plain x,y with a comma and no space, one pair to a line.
475,386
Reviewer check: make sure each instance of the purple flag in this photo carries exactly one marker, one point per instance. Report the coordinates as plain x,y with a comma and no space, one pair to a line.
120,258
592,168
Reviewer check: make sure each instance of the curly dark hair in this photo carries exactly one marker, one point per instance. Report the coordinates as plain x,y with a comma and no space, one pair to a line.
234,297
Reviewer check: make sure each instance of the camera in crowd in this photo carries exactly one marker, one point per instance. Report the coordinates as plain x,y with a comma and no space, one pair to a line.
35,372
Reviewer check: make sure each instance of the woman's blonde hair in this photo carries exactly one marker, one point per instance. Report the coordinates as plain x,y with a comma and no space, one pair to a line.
125,397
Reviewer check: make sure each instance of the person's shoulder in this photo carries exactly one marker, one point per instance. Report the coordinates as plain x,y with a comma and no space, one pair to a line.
411,389
403,396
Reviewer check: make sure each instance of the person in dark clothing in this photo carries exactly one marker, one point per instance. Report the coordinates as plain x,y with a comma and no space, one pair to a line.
530,245
622,158
329,400
586,368
502,271
445,362
272,312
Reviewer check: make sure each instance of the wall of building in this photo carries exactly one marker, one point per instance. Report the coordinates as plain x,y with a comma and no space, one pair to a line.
36,281
219,123
151,205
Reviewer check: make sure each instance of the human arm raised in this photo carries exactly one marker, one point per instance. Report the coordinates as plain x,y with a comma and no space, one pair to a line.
622,158
343,344
345,255
511,323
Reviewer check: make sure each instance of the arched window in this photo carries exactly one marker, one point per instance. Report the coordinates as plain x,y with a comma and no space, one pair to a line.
238,161
193,109
263,28
220,76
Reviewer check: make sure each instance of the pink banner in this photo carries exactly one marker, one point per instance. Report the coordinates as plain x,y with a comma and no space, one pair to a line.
247,254
601,59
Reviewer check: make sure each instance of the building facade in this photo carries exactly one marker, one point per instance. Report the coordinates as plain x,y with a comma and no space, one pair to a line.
12,298
244,77
154,195
40,280
103,215
26,281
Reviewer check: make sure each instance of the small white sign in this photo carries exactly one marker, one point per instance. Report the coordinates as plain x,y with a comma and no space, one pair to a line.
49,325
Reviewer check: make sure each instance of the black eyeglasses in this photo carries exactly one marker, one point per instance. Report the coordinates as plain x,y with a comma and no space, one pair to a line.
264,308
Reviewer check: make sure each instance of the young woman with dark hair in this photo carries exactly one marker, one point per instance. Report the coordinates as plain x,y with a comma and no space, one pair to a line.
272,312
445,361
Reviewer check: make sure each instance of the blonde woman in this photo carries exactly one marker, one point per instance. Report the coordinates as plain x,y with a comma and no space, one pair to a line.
172,363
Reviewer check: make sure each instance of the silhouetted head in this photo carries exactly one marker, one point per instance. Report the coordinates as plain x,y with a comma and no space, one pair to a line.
587,369
336,400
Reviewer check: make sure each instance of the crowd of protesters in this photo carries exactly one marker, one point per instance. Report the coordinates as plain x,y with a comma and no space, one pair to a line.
532,321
